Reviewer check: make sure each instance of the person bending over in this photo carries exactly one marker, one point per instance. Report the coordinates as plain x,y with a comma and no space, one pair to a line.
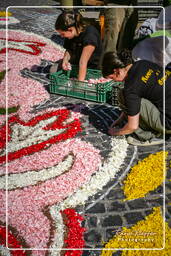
82,43
141,99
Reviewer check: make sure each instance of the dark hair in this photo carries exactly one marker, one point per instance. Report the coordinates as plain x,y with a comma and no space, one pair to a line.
112,60
69,19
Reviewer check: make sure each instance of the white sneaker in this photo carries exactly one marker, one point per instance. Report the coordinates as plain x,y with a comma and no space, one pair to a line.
135,142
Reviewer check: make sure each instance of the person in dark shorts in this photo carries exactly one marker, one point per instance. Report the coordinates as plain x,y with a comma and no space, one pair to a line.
146,85
82,43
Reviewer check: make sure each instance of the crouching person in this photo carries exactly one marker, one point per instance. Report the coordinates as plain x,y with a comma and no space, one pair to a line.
146,85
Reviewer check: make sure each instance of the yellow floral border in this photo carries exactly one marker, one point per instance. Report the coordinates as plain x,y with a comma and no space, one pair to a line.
148,233
146,176
3,14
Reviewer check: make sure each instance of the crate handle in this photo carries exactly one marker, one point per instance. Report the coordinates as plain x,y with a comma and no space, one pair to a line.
68,73
61,72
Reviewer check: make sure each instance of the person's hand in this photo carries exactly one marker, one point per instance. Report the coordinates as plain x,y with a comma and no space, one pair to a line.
113,131
65,64
93,2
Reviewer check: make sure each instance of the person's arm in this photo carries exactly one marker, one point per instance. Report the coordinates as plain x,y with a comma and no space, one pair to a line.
85,56
119,120
66,59
128,128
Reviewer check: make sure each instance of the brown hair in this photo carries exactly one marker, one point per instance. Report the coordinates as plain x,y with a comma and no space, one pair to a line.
69,19
112,60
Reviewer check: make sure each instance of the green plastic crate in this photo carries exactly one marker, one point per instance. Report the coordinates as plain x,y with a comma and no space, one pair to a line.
61,83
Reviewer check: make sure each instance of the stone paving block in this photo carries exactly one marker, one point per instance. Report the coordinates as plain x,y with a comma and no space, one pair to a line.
115,207
80,208
105,137
118,253
169,197
150,149
158,190
168,176
97,208
109,184
168,186
111,221
167,216
115,194
148,212
105,153
90,253
110,232
92,236
167,147
155,202
99,194
143,155
169,209
130,151
92,222
93,253
133,217
95,141
127,161
105,144
137,204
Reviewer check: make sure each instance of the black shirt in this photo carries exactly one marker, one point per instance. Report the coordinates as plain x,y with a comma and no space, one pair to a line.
146,80
75,46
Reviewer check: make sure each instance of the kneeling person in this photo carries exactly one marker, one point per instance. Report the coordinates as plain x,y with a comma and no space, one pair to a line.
142,99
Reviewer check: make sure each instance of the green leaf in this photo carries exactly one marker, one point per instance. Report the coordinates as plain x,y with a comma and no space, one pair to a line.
2,75
9,111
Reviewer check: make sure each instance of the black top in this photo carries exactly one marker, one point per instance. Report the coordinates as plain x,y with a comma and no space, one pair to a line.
146,80
75,46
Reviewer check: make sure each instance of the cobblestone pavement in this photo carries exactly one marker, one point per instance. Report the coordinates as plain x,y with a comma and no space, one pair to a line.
105,212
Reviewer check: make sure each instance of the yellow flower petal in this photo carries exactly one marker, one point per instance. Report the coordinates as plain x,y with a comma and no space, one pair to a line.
3,14
146,176
148,233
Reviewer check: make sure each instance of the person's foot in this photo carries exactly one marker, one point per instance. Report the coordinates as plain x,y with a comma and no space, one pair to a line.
155,141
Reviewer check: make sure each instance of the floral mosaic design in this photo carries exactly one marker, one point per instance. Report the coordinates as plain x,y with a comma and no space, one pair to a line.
50,169
146,176
148,233
152,232
7,18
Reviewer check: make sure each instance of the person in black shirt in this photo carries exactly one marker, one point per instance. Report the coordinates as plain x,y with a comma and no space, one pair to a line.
82,43
142,98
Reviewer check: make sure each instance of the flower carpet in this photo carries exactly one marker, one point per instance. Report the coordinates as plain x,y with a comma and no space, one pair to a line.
49,166
46,163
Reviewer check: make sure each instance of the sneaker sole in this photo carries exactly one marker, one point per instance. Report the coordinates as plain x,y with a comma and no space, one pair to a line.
146,144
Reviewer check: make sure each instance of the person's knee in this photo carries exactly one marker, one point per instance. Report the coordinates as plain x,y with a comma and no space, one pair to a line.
146,107
150,115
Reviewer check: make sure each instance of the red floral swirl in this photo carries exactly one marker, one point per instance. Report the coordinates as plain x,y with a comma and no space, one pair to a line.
75,232
33,45
72,129
12,242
